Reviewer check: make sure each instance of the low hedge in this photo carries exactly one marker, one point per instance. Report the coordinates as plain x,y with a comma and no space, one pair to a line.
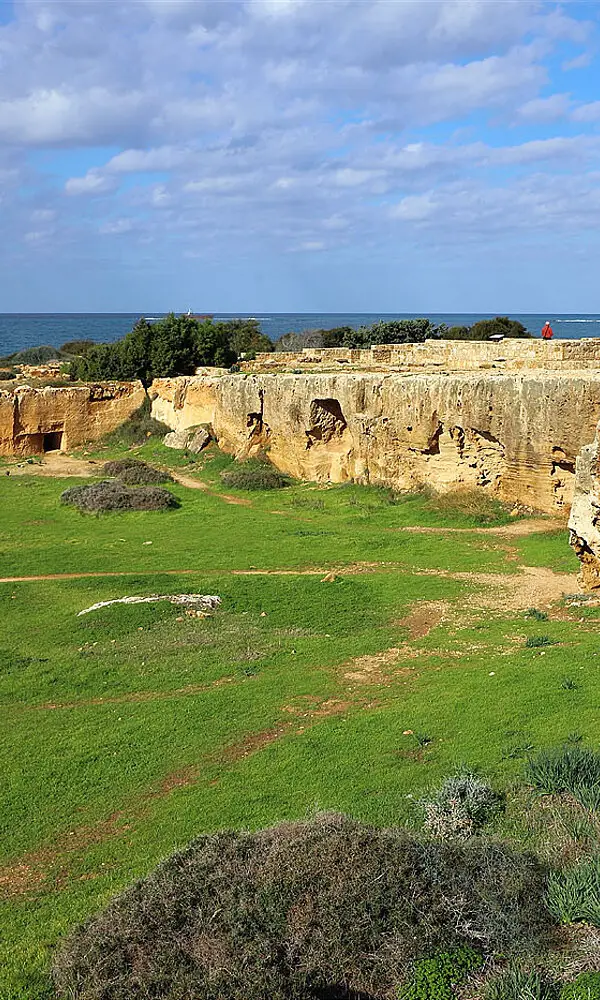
325,908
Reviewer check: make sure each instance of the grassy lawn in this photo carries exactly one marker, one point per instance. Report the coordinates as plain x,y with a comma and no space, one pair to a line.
129,730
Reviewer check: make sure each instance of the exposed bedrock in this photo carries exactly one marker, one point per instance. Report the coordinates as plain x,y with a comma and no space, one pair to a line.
584,522
515,435
33,421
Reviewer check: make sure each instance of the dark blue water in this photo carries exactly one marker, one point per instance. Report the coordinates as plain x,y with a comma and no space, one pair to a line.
19,330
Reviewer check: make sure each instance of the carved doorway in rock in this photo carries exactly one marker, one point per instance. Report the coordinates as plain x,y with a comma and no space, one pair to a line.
52,441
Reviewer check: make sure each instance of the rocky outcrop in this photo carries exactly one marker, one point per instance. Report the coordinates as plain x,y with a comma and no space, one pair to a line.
515,435
584,522
33,421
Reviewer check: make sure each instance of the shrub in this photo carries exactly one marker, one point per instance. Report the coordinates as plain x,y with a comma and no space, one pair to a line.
254,475
519,984
135,473
585,987
114,495
322,908
393,331
435,978
569,768
536,615
461,807
33,355
486,328
77,347
536,641
140,426
574,894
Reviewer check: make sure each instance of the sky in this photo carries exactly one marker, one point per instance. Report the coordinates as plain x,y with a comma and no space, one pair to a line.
299,155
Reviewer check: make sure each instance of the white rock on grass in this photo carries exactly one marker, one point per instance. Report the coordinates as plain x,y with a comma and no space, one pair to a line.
199,602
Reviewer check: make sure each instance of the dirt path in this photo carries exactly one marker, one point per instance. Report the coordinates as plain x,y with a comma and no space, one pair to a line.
55,463
518,529
198,484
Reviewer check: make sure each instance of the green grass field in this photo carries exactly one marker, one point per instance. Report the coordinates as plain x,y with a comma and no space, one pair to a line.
129,730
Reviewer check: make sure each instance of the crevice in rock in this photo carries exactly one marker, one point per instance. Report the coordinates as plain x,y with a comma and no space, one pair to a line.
326,421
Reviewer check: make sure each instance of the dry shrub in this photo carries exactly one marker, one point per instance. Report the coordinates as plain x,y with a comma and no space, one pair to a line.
111,495
255,475
324,908
135,473
461,807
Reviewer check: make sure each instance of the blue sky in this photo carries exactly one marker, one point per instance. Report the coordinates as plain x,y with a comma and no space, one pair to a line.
299,155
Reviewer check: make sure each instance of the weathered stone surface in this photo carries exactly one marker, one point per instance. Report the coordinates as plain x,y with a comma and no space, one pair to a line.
584,522
445,355
193,440
36,420
514,434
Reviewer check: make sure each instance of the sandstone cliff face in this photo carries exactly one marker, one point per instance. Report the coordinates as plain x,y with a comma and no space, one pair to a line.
584,522
36,420
513,434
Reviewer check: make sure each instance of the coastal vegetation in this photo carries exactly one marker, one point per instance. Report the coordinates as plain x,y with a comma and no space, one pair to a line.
360,662
177,345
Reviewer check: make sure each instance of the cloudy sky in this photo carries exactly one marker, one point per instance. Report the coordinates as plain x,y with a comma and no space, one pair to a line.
299,155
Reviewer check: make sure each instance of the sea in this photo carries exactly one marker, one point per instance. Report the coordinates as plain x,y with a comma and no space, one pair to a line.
20,330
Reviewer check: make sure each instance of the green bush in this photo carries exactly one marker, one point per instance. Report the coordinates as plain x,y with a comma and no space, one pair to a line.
33,356
75,348
536,641
175,345
585,987
140,426
461,807
574,894
323,908
135,473
435,978
254,475
534,614
111,495
393,331
500,325
519,984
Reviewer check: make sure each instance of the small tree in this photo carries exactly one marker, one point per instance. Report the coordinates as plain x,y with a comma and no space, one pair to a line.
500,326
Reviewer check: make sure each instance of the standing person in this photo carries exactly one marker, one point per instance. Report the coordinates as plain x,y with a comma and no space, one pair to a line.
547,331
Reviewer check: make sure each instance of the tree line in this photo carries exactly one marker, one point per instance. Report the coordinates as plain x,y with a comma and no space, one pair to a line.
177,345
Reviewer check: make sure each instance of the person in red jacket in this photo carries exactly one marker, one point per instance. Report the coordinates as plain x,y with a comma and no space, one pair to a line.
547,331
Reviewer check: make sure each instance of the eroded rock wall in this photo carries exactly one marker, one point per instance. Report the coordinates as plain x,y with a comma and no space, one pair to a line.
584,521
515,435
36,420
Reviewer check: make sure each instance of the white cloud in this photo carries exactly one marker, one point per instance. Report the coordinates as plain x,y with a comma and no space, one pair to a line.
545,109
94,182
587,112
292,120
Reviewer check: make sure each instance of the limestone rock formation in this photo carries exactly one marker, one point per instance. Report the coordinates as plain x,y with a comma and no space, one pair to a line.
584,522
514,434
193,440
33,421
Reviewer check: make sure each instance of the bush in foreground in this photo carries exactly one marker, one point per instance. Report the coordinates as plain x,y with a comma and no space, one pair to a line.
585,987
111,495
574,894
135,473
461,807
254,475
324,908
435,978
571,769
519,984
